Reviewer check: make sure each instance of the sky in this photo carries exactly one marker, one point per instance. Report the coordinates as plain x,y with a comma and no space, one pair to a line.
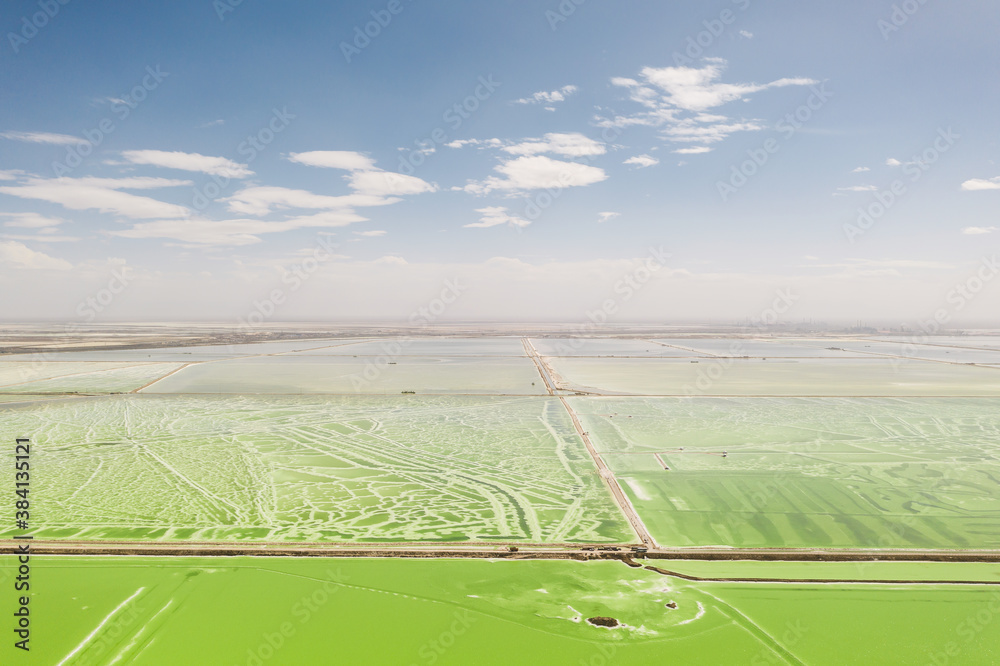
578,161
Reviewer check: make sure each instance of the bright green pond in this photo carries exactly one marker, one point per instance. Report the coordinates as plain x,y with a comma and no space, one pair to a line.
229,611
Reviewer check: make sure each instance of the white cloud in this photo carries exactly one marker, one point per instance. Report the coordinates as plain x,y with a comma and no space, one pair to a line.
262,200
746,34
102,194
606,216
20,256
375,233
699,89
859,188
212,123
44,137
198,232
493,216
11,174
642,161
705,130
696,150
570,144
977,231
364,177
387,183
486,143
423,150
203,232
893,162
860,170
391,259
216,166
538,172
981,184
549,98
43,237
677,98
335,159
31,220
326,218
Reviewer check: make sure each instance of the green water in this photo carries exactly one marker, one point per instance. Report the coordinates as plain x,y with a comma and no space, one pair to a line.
436,346
605,347
16,373
290,374
783,347
116,380
777,377
228,611
406,468
806,472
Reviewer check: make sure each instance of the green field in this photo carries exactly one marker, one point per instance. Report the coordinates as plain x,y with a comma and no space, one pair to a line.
446,468
249,611
806,472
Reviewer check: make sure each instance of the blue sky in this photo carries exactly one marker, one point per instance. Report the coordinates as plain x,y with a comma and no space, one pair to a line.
597,134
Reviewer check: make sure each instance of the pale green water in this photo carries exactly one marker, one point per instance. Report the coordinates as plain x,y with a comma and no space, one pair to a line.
13,374
783,347
153,611
437,346
362,375
918,351
972,341
117,380
805,472
605,347
777,377
446,468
